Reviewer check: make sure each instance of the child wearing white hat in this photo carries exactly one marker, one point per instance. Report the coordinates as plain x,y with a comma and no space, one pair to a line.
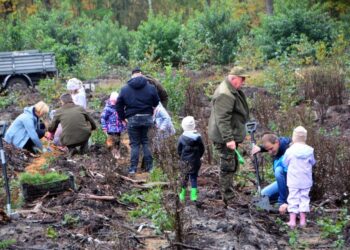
190,149
299,158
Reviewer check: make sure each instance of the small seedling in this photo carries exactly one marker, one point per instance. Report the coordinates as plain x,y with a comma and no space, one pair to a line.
69,220
51,233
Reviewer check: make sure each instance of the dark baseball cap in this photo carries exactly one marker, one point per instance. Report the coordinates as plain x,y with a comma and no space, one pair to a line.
136,70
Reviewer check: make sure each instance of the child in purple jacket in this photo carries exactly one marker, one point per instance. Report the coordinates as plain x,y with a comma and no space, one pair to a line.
299,158
112,125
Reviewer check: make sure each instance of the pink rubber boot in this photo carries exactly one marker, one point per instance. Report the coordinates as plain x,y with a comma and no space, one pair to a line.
292,220
302,219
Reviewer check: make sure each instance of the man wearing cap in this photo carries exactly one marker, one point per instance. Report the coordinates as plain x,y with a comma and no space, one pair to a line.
163,95
229,113
136,102
76,124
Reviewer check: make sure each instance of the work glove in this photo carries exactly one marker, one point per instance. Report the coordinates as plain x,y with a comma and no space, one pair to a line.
37,150
47,149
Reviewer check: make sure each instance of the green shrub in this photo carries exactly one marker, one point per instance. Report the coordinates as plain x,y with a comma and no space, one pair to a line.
158,39
291,24
211,37
176,84
149,204
6,101
50,89
98,136
11,37
5,244
56,31
91,66
107,40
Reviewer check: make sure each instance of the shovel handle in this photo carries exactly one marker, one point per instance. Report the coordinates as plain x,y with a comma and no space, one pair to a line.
251,128
4,175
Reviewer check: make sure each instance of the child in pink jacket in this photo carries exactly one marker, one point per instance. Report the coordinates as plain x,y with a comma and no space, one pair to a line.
299,158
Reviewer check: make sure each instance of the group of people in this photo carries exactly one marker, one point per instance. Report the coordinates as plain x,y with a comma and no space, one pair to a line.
70,125
293,159
142,103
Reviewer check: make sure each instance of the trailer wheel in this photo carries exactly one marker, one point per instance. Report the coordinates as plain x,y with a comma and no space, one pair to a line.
17,84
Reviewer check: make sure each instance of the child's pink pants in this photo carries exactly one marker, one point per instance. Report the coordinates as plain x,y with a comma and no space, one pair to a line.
298,200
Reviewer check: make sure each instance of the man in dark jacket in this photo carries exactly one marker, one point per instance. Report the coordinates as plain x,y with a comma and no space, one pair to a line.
163,95
136,102
276,147
76,125
229,113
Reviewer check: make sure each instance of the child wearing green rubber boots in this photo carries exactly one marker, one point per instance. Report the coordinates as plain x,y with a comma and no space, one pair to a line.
190,148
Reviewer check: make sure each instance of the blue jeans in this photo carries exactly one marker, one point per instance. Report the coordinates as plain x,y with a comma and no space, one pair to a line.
138,126
277,190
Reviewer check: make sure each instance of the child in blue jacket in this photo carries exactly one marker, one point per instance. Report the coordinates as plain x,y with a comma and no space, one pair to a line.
190,149
112,125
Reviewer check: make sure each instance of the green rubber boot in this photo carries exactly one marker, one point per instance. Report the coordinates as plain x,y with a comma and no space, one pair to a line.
182,194
194,194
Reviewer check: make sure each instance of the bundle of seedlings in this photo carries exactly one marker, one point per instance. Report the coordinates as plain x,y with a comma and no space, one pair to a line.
37,185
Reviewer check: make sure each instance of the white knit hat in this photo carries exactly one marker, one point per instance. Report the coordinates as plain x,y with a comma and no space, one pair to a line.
299,134
188,123
74,84
114,96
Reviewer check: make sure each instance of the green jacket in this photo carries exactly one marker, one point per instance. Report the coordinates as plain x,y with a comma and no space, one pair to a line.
229,113
76,124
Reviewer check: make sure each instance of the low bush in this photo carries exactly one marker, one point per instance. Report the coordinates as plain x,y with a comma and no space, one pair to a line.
157,39
291,21
211,37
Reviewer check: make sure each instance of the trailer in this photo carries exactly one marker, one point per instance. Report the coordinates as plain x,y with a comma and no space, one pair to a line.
26,67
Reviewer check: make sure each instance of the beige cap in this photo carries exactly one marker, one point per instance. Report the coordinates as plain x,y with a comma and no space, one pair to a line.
239,71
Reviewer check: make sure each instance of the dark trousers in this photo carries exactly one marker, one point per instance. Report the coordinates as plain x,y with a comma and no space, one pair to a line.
189,171
138,127
30,146
83,148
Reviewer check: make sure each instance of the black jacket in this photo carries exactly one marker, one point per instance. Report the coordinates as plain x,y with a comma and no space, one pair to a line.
190,147
137,97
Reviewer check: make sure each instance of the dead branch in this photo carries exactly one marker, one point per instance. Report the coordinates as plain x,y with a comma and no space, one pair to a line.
324,202
35,210
38,207
129,179
151,185
332,210
47,210
185,245
96,197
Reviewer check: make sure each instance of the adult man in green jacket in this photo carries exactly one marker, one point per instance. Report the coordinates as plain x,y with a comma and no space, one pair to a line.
76,125
229,113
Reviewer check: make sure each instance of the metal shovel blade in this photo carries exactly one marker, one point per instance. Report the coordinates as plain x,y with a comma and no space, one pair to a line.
263,203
